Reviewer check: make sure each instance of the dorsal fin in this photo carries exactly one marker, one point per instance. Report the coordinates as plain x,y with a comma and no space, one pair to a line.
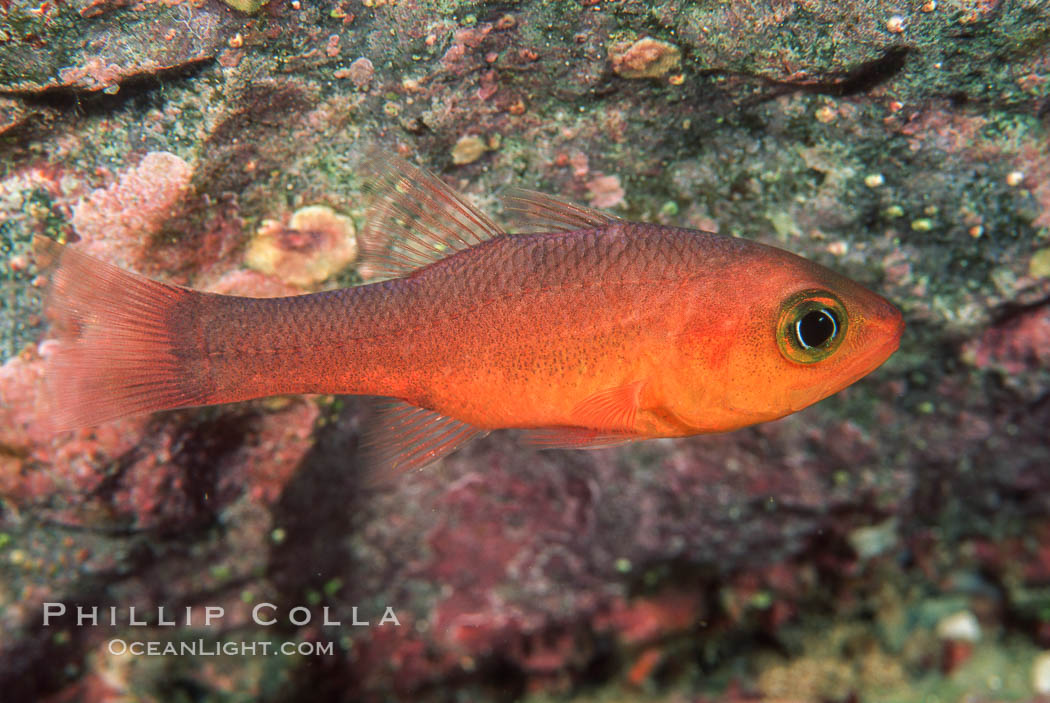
552,214
404,437
416,219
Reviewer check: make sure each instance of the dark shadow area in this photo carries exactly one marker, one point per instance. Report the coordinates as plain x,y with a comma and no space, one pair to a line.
861,78
319,507
66,98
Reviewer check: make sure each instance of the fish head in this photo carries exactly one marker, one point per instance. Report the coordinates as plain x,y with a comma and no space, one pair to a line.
805,333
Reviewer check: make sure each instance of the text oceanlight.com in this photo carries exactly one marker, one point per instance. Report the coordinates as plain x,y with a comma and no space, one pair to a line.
204,648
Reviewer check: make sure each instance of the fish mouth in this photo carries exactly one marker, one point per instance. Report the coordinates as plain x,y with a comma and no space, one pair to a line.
882,339
887,328
891,327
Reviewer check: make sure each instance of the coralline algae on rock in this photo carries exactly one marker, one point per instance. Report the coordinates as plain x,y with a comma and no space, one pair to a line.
360,72
115,223
468,150
645,58
605,191
316,243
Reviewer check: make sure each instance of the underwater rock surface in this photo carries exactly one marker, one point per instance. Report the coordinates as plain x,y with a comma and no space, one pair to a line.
843,553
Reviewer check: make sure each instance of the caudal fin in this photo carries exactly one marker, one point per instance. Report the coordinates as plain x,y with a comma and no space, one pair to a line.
118,352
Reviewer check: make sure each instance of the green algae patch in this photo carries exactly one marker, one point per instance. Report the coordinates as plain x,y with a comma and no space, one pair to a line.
1039,265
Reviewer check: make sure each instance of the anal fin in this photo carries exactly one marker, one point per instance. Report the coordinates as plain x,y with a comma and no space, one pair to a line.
574,438
404,437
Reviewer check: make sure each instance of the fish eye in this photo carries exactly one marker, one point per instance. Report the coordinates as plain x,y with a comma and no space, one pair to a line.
811,326
816,328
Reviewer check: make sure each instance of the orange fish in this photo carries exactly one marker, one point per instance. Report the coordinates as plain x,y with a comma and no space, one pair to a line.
590,332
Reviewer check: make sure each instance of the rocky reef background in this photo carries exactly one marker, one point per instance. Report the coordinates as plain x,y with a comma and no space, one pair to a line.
891,543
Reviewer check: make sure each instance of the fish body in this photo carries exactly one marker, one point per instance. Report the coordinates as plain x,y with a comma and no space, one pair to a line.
596,332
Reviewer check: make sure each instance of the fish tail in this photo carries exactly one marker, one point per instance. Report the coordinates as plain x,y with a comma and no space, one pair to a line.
118,349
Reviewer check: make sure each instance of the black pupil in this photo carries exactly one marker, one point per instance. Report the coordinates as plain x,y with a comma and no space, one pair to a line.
816,327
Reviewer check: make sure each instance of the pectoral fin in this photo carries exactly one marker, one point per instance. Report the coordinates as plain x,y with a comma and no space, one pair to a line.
612,410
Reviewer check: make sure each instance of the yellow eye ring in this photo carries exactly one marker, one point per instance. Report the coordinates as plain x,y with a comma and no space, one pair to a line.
811,326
